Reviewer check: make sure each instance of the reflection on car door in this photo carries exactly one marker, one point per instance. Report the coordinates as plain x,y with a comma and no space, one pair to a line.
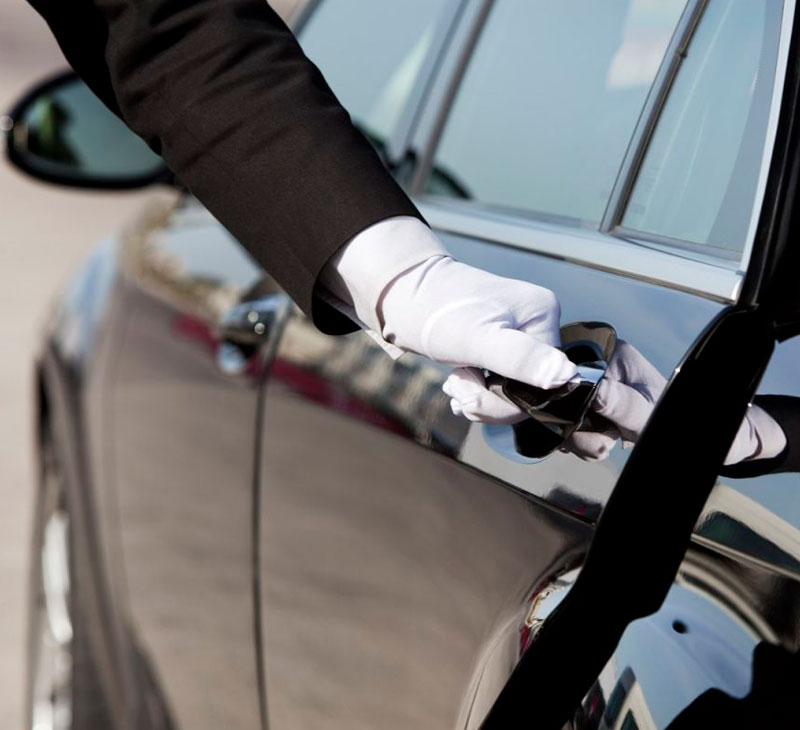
407,558
184,435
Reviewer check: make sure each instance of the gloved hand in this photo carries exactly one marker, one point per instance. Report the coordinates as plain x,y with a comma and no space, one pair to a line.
396,279
459,315
626,397
399,282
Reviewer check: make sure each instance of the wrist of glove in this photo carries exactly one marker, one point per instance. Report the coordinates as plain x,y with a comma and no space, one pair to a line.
359,274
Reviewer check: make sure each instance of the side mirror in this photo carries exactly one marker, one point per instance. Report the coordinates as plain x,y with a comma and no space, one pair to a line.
62,133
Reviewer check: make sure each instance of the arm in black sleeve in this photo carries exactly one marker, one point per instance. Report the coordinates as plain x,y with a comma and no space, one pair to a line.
223,92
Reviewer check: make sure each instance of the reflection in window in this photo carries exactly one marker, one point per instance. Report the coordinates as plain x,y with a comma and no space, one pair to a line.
697,182
727,530
629,723
371,54
549,101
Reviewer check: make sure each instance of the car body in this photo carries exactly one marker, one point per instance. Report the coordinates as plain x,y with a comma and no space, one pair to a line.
266,526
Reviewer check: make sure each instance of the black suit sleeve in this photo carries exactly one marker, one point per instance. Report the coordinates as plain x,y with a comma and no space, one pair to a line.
222,90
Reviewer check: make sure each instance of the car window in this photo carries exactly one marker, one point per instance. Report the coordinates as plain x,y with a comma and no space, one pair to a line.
548,103
698,178
371,54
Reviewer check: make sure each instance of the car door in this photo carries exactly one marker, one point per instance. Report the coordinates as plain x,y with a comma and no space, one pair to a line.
198,316
183,430
618,156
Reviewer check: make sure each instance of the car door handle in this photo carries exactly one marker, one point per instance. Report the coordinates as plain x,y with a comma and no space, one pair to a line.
246,329
554,415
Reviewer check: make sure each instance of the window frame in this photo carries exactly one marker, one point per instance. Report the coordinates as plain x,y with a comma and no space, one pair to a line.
610,247
643,135
397,143
447,97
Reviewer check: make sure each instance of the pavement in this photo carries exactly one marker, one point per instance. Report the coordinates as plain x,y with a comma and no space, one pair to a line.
44,233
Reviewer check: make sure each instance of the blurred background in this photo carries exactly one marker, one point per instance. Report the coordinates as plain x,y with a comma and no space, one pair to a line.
44,233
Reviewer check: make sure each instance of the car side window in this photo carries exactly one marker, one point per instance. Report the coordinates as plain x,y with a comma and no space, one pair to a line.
548,103
698,178
371,54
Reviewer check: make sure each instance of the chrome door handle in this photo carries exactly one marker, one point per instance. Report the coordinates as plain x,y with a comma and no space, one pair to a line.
554,415
246,328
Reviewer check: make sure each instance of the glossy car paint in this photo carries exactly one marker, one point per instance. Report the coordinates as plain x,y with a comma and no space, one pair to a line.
327,525
314,540
400,553
183,442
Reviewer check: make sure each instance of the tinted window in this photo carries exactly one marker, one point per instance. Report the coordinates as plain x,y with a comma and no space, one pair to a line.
371,53
548,103
697,182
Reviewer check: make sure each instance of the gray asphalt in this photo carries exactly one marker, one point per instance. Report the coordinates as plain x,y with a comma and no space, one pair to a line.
44,233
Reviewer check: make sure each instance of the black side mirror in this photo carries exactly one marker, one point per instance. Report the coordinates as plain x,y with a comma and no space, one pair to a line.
62,133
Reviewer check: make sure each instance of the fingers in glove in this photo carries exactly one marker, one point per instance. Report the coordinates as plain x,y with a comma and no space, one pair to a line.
629,366
625,406
520,356
472,399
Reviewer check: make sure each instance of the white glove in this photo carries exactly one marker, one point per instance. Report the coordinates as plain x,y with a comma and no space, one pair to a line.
626,397
397,280
470,398
462,316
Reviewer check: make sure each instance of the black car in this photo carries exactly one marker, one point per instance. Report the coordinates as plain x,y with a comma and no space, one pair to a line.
244,523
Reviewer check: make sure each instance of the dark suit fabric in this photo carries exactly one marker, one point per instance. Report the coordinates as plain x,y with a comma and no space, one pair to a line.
222,90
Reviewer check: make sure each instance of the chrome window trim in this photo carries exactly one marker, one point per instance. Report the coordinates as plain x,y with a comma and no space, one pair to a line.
699,251
612,222
784,42
651,113
436,110
587,247
397,143
611,248
397,146
300,15
424,139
